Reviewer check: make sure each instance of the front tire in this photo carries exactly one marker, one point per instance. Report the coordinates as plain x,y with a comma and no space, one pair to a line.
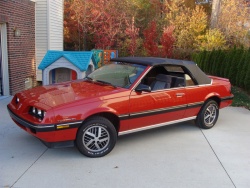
96,138
208,115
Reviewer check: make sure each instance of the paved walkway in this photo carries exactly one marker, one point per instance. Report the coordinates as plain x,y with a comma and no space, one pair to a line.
180,155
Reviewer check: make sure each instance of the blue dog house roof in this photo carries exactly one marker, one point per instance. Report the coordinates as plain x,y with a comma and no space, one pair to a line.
79,59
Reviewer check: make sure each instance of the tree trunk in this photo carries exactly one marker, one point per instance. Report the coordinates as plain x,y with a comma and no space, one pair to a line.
215,13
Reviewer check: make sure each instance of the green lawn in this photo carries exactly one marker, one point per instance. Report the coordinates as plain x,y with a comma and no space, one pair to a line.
241,98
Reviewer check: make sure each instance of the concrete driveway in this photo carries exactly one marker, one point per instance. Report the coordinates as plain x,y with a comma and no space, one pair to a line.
180,155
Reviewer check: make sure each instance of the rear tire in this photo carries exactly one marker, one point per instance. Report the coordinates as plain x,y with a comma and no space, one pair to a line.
96,137
208,115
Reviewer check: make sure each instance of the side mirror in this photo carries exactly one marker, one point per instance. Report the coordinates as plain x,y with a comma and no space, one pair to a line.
142,87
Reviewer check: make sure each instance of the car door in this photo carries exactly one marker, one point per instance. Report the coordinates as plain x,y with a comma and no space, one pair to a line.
195,96
157,107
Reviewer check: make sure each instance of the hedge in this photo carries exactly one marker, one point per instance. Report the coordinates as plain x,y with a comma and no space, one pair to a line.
233,64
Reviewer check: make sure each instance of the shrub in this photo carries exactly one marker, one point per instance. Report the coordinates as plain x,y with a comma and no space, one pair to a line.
241,71
212,40
233,64
228,62
247,79
219,62
233,69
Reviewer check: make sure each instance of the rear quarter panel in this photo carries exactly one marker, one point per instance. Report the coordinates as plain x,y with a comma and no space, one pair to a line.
221,87
198,95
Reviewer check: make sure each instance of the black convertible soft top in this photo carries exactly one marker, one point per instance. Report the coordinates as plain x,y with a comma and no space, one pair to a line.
196,72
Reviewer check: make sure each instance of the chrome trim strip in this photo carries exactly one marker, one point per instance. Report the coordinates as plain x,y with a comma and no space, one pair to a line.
190,105
227,98
168,89
72,123
123,116
159,110
155,126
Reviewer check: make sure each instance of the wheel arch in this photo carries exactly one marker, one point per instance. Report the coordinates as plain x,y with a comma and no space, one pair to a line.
215,97
114,119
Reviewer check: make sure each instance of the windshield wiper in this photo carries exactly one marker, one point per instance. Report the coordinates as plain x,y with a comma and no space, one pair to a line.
104,82
88,78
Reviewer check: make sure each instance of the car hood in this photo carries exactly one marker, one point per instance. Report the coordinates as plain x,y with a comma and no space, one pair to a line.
50,96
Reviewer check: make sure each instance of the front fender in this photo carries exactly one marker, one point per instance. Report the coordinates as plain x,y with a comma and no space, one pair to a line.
79,112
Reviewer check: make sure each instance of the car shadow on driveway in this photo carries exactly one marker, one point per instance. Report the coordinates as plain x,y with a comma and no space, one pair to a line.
166,133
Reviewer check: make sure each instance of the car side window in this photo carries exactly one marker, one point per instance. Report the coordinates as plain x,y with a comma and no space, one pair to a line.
156,78
189,81
180,76
168,76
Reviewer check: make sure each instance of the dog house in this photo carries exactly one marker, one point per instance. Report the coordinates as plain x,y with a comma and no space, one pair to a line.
61,66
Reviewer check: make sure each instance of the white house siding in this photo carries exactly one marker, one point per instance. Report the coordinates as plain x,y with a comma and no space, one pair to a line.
49,29
4,58
55,21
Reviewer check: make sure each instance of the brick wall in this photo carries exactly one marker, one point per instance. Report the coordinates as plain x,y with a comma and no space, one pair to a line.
20,14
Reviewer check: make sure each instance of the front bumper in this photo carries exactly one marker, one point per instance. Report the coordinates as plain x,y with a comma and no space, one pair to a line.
33,127
52,135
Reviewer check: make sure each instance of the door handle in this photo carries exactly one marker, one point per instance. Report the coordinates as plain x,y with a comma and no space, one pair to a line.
180,94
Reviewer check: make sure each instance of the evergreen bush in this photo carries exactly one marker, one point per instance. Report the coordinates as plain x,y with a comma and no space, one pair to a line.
247,78
228,62
241,72
245,71
233,64
233,69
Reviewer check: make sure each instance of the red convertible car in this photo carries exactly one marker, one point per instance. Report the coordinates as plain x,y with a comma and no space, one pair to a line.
131,94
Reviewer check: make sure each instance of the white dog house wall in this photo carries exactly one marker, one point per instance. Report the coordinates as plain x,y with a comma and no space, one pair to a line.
61,66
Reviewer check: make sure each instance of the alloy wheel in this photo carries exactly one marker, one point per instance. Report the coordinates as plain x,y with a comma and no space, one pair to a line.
96,138
210,114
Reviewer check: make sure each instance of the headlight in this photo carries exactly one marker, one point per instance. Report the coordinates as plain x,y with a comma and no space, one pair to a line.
39,113
17,100
34,110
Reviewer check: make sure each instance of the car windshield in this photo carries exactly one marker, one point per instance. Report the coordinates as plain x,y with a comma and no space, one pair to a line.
118,74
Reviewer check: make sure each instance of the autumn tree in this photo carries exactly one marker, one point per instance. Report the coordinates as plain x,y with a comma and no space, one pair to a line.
100,21
213,39
189,23
72,32
150,39
132,32
167,42
83,15
110,24
146,11
231,21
